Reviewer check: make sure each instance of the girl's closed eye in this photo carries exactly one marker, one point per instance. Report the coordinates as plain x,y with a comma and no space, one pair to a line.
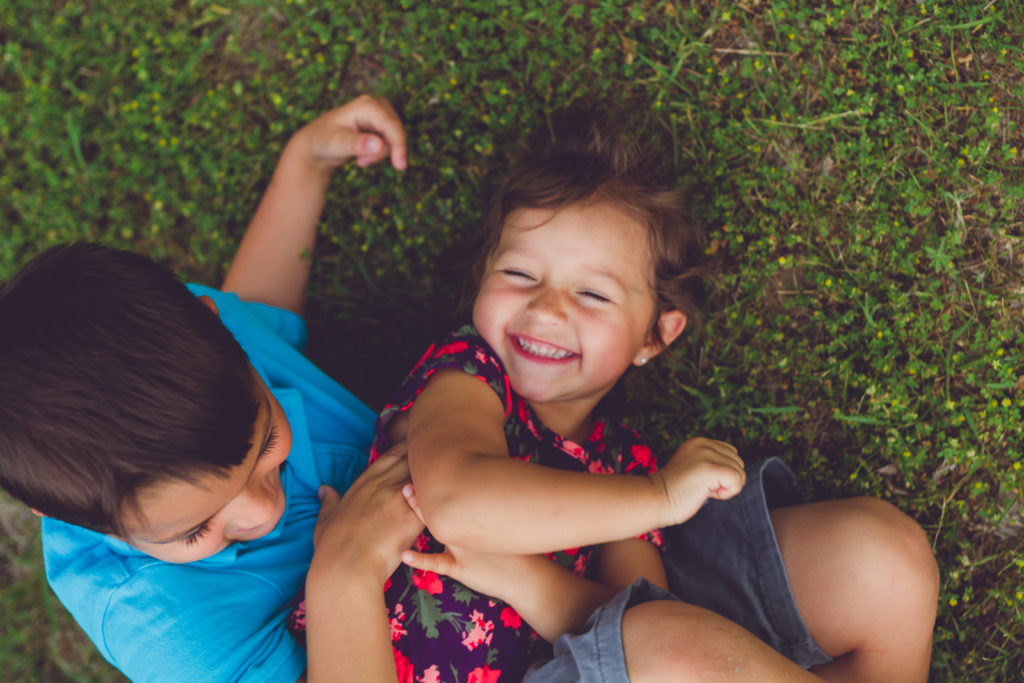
516,273
595,296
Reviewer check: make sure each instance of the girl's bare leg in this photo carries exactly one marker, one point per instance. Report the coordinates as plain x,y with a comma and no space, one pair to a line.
678,642
866,584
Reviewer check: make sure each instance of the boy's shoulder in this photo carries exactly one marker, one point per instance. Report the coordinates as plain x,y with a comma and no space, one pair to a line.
143,613
255,321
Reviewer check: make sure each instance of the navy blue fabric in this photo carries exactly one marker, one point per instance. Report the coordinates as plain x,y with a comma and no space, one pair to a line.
725,559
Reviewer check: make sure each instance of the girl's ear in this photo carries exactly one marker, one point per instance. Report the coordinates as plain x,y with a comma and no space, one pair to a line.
670,325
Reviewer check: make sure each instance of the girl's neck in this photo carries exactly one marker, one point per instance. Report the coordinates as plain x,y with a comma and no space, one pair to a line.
571,420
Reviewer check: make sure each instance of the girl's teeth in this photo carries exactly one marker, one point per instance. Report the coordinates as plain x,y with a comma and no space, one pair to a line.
542,351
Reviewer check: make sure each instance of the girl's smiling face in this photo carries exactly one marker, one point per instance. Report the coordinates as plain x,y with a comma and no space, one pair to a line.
566,303
181,521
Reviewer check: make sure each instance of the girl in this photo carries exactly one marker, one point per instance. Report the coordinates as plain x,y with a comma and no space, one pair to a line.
589,267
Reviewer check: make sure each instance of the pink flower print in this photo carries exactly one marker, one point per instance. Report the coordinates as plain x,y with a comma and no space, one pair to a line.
403,667
387,585
427,581
299,617
642,457
655,537
395,623
426,355
508,396
510,618
571,551
451,349
598,433
524,417
481,357
430,675
598,467
421,543
483,675
574,449
480,634
579,567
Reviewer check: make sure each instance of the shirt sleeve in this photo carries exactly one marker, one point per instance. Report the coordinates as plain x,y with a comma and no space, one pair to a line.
192,633
256,318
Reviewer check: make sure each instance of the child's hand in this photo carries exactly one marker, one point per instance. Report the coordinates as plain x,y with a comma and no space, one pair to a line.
699,469
366,128
486,573
372,523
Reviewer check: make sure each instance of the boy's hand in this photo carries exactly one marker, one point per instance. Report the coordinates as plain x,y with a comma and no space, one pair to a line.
699,469
366,128
371,524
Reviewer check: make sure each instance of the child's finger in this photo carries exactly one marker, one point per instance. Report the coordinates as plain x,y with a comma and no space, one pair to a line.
439,563
382,119
410,497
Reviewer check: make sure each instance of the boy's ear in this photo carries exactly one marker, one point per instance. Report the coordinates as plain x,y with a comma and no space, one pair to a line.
670,325
208,302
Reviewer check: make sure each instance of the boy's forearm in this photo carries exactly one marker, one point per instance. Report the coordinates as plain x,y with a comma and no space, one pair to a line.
273,259
347,632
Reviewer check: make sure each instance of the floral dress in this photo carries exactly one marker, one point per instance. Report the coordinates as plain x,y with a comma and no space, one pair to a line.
441,631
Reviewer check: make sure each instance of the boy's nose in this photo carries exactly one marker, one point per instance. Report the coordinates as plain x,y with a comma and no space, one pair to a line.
253,507
548,304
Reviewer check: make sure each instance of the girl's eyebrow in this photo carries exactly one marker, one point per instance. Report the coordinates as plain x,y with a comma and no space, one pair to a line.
263,449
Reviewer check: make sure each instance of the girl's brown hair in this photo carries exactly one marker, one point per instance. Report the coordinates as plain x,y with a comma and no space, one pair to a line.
581,159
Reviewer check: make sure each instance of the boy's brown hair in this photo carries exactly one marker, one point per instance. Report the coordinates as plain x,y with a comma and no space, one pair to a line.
582,159
113,377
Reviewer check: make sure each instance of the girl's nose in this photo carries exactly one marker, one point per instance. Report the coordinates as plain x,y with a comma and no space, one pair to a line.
548,304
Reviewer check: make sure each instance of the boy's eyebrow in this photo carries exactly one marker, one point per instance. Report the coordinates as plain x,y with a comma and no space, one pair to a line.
263,449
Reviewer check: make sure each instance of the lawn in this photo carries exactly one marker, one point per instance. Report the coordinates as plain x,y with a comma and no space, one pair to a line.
857,166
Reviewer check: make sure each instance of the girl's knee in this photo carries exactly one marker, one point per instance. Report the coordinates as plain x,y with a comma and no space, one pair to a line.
898,539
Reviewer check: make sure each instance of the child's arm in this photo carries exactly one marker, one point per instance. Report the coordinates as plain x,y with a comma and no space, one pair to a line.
620,563
474,495
358,542
272,261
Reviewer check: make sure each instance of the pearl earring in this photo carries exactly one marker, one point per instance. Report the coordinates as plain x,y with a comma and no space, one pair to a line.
643,360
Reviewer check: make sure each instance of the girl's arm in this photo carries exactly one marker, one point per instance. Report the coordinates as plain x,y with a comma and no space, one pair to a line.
474,495
358,543
272,261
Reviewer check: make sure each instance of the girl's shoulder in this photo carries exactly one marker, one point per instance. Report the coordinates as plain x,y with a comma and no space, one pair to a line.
465,350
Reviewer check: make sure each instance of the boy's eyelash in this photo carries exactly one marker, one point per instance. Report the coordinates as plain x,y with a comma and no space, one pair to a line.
196,535
596,296
271,440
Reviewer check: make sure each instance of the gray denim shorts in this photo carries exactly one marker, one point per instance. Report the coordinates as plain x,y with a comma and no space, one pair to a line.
725,559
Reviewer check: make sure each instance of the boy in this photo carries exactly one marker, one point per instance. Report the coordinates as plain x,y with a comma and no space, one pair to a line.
177,448
153,442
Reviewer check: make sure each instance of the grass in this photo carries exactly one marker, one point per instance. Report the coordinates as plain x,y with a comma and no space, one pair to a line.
856,164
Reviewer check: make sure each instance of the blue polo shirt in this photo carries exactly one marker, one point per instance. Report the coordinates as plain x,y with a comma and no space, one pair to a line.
222,618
